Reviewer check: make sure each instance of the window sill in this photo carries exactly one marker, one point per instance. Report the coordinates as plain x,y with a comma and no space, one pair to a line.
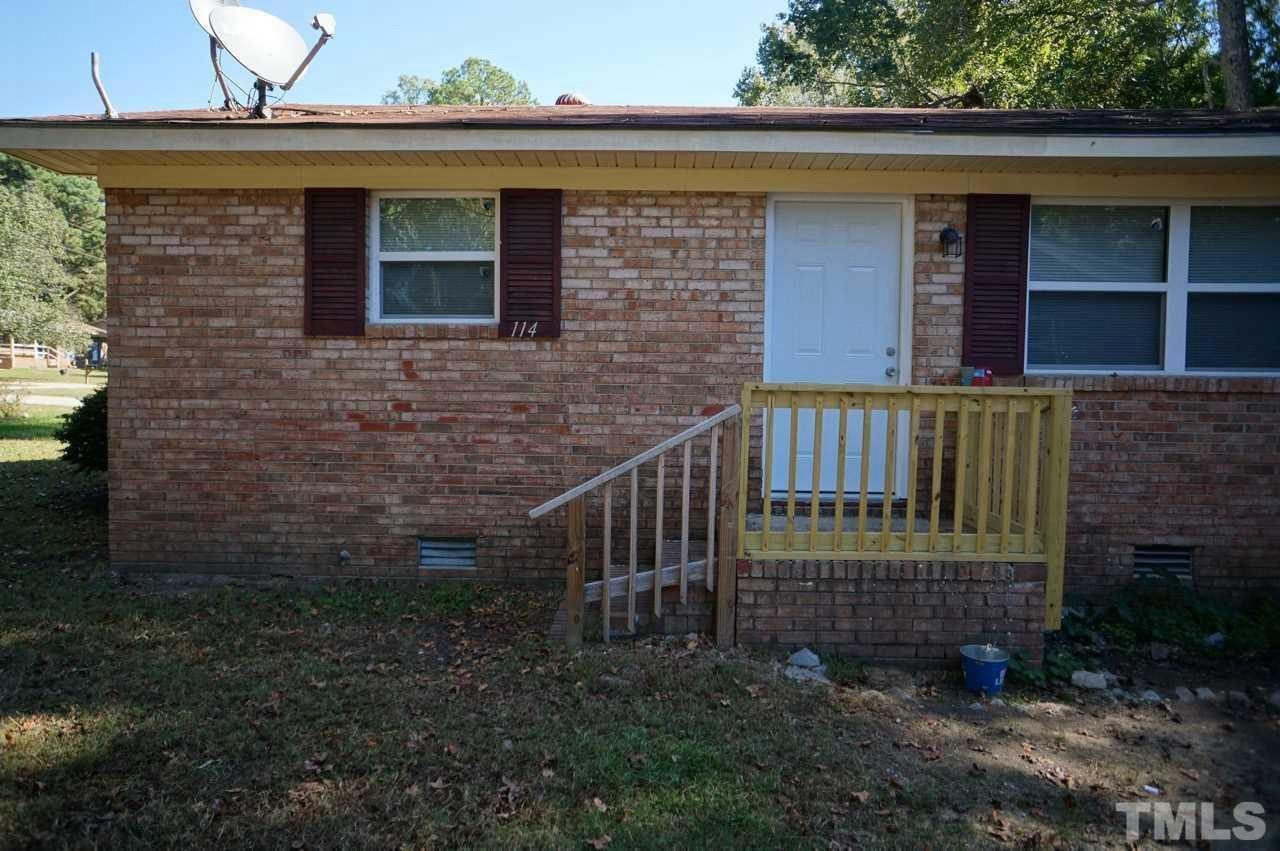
1152,381
383,330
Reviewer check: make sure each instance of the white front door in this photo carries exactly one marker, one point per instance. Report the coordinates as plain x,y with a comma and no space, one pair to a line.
833,318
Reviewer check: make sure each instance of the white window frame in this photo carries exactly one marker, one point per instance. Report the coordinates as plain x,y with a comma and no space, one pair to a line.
1175,288
377,257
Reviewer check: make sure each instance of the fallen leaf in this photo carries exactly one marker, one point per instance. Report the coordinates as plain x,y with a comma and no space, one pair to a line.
862,797
600,841
599,805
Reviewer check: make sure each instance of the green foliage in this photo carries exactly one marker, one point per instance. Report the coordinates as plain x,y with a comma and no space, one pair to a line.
83,254
1026,54
1059,664
84,431
845,671
35,284
476,82
1168,612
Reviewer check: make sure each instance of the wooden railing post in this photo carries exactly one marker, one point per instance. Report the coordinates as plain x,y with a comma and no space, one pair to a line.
726,565
1056,475
575,572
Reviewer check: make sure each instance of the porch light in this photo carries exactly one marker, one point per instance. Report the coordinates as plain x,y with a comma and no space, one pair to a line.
952,242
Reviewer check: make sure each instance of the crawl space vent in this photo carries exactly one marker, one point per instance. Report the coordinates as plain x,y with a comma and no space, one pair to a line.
1160,562
447,553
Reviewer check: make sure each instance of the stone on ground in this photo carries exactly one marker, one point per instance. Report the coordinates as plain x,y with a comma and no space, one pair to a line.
809,675
804,658
1203,693
1089,679
1184,694
1151,696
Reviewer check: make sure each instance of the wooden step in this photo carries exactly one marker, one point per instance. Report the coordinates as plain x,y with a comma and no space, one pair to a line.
618,585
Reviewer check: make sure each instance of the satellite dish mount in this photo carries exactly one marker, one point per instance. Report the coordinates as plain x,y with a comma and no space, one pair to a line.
327,26
266,46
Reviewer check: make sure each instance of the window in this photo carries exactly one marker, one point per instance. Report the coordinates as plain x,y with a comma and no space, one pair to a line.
1177,288
434,258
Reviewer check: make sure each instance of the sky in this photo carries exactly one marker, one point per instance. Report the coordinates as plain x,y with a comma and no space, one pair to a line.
154,55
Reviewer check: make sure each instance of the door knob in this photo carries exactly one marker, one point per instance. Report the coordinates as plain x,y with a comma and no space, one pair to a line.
891,371
890,351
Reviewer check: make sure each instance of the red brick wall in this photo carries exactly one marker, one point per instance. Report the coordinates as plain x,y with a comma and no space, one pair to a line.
237,444
938,300
1176,461
891,610
240,445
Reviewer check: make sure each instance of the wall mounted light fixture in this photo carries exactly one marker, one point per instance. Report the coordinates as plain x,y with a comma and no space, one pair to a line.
952,242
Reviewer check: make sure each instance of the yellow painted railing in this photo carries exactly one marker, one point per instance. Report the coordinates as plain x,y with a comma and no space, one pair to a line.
854,472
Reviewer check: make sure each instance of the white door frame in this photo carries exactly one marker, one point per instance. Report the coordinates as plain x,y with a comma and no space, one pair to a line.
906,280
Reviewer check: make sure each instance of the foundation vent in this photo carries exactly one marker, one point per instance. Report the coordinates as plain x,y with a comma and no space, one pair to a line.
447,553
1162,562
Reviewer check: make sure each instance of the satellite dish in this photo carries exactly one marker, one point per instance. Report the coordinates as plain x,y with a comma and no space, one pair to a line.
268,47
200,10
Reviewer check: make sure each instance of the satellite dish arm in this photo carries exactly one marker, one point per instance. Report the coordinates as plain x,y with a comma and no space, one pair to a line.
326,25
227,101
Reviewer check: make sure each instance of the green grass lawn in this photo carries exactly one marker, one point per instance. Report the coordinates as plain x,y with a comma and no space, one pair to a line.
34,424
150,714
72,376
69,390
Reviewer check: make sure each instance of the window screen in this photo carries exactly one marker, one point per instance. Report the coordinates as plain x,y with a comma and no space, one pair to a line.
437,289
1233,331
1099,330
436,224
1235,245
1089,244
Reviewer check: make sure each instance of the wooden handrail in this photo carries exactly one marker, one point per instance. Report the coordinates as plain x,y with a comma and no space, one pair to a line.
717,568
630,464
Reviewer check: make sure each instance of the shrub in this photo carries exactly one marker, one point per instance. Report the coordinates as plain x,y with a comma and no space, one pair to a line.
84,431
11,397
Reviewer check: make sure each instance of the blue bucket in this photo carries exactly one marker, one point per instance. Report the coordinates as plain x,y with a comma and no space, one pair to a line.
984,668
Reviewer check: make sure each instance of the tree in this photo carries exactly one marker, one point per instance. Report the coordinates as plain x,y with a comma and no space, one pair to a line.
1000,53
1233,38
475,82
35,285
80,201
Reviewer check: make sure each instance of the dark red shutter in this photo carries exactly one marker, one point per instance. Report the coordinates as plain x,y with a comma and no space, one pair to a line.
335,262
530,263
995,282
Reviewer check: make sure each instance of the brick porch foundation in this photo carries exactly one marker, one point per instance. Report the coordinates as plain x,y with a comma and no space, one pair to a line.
892,609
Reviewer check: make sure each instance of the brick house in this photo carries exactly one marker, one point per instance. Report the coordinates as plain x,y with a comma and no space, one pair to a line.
367,341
